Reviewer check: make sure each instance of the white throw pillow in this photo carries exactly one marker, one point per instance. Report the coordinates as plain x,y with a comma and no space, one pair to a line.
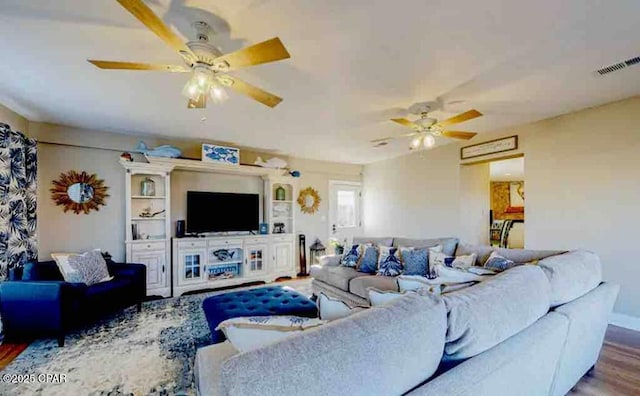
332,309
379,297
68,273
414,283
439,258
89,267
253,332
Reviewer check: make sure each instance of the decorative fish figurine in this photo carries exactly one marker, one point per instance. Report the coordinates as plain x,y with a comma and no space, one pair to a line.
275,163
166,150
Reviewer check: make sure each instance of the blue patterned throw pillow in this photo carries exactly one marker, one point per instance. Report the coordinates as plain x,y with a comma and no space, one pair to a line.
389,263
415,261
351,257
499,263
369,261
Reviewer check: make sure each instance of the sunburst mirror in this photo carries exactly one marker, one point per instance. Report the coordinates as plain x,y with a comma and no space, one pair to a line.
309,200
79,192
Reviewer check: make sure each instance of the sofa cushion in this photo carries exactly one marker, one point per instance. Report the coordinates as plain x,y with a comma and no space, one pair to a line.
385,344
336,276
448,244
207,366
44,270
486,314
519,256
359,285
108,289
380,241
571,275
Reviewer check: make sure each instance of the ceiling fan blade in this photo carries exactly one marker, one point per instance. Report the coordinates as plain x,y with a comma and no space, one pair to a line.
264,52
407,123
145,15
393,137
199,103
254,92
462,117
459,134
138,66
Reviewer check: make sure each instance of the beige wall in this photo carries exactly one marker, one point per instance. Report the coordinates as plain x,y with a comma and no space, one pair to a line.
583,184
15,120
98,152
59,231
414,195
317,174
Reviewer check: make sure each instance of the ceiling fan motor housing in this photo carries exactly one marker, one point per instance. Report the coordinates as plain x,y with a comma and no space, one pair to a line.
202,47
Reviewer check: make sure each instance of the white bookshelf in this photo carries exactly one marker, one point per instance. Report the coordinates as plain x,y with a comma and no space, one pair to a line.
152,244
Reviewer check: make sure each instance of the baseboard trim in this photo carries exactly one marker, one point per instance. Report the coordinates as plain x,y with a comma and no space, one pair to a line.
626,321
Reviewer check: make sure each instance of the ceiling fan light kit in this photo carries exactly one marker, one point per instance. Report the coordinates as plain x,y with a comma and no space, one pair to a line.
426,128
206,62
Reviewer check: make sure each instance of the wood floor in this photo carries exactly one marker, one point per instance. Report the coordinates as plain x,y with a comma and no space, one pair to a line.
618,369
617,372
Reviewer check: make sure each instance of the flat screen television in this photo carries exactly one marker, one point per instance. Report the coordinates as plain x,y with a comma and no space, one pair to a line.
218,212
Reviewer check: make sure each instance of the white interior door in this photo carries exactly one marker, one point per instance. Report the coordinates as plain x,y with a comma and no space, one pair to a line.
345,210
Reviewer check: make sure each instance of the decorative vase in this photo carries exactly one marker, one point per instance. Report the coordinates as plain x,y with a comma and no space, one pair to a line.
147,187
280,194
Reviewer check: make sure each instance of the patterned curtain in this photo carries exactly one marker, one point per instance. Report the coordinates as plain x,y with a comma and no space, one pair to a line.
18,169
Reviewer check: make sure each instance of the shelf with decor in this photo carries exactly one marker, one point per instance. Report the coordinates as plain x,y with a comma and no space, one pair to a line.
147,188
280,195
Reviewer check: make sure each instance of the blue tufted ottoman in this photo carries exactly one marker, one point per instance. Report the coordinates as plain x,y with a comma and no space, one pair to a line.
264,301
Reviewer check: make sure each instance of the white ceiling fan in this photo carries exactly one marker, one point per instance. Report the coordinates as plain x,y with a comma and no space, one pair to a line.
426,129
207,64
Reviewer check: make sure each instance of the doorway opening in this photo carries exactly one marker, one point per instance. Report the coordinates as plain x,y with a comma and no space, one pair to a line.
345,210
507,203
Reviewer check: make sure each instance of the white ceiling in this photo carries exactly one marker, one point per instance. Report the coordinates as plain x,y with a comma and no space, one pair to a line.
507,170
354,65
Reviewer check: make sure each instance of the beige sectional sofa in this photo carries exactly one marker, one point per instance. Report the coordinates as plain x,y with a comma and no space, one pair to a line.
531,330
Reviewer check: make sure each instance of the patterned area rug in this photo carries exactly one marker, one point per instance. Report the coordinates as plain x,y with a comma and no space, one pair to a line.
131,353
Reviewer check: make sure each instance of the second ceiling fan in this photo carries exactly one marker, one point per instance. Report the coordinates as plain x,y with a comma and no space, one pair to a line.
426,128
205,61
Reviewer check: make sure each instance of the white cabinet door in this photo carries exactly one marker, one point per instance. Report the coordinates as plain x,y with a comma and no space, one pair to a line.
282,253
255,259
156,266
191,265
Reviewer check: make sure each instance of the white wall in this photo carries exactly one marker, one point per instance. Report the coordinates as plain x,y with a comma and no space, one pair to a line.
475,203
15,120
583,186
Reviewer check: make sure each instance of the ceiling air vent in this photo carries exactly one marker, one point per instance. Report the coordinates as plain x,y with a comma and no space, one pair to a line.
619,66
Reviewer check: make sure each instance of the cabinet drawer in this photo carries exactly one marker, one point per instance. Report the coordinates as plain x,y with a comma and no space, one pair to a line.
225,242
287,238
255,240
136,247
192,244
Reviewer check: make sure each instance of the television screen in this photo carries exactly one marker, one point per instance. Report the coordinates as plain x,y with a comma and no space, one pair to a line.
216,212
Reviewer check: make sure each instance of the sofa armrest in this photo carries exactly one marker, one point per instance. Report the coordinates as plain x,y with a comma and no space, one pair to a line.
137,272
42,306
331,260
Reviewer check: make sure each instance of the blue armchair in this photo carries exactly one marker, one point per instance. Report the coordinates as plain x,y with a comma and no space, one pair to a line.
36,301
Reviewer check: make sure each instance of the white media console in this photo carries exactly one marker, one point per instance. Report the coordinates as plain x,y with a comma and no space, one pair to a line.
212,262
177,265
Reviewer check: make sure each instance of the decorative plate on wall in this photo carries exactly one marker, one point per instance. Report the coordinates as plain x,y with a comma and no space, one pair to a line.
79,192
309,200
